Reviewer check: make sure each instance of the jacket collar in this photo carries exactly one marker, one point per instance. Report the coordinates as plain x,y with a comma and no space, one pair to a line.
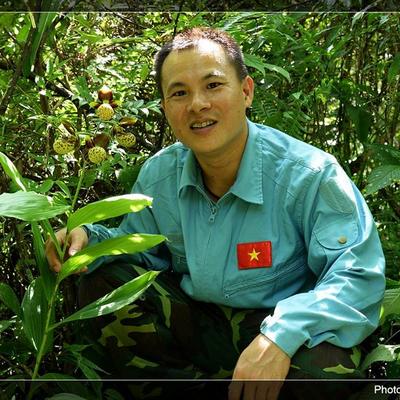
248,184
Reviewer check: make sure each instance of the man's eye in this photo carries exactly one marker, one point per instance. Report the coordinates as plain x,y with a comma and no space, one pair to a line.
178,93
213,85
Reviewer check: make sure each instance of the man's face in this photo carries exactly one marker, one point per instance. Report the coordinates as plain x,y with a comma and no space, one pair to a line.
204,100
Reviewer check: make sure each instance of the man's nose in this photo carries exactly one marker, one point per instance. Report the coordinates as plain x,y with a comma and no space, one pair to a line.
198,101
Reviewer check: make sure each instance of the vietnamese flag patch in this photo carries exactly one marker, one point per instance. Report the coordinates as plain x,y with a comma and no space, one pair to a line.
254,255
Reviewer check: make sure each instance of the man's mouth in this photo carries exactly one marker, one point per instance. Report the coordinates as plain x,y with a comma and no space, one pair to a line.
204,124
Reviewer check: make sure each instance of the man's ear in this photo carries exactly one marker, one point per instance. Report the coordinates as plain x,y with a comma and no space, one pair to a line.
248,90
163,106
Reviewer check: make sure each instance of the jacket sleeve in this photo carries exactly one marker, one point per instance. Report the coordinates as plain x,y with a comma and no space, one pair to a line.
156,258
345,254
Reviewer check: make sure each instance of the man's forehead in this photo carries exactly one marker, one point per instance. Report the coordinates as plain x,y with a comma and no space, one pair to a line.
202,48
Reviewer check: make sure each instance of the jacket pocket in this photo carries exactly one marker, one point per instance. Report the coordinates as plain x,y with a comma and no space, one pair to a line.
265,280
336,237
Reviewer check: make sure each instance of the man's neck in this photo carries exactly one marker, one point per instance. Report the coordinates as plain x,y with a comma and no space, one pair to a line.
220,171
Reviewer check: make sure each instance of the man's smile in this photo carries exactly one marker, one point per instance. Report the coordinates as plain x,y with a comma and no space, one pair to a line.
204,124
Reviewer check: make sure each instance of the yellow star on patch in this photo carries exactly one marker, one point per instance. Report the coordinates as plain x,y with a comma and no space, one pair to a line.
254,254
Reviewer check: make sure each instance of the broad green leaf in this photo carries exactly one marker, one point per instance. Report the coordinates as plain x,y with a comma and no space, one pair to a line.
11,171
10,299
35,309
381,353
49,279
256,62
114,300
23,32
5,324
391,303
45,186
362,121
279,70
382,176
108,208
127,244
384,153
30,206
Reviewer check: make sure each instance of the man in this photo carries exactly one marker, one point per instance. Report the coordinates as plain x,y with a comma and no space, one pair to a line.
266,235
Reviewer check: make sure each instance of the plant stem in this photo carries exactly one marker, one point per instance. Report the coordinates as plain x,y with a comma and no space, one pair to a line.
78,188
46,332
48,228
42,348
75,199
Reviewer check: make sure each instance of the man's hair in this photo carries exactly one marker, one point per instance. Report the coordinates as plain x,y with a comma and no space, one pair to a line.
190,38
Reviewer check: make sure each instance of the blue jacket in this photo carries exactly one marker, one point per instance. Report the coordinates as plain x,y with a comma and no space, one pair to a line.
293,232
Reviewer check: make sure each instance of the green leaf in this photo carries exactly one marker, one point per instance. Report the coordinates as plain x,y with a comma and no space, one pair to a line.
384,153
391,283
11,171
35,308
49,279
394,68
108,208
390,304
85,365
115,300
381,353
127,244
45,186
64,188
30,206
45,20
362,121
10,299
382,176
258,63
5,324
255,62
279,70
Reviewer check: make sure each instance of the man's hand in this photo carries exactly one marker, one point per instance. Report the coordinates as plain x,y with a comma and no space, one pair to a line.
262,359
77,240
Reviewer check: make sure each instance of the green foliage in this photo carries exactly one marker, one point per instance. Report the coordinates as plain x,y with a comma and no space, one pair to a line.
330,79
30,206
127,244
36,314
117,299
381,353
108,208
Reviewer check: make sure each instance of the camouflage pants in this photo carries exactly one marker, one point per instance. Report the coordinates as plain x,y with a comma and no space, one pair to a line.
167,335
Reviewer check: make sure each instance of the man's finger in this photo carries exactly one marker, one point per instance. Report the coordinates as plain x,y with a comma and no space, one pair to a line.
250,388
235,390
84,269
263,388
52,257
274,390
77,241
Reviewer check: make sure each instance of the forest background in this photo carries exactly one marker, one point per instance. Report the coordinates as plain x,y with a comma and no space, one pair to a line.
329,79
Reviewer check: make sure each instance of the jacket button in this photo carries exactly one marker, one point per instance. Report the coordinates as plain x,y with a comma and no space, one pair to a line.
342,240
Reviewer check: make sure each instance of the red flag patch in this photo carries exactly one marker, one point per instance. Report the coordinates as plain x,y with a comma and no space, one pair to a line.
254,255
